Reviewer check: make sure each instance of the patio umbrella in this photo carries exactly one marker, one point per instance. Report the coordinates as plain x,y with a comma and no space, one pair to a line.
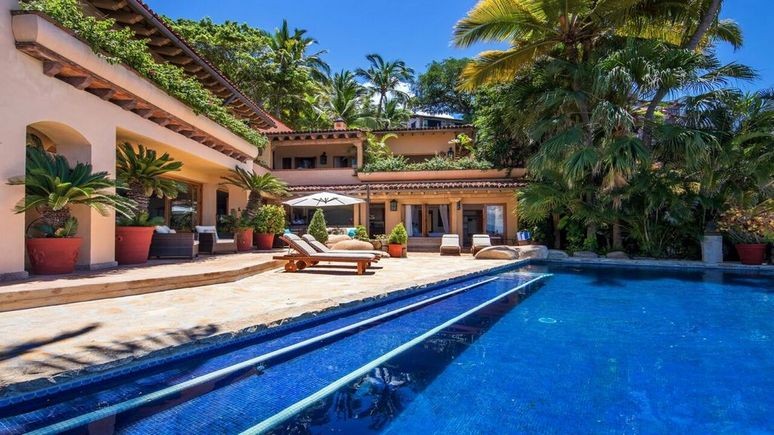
323,199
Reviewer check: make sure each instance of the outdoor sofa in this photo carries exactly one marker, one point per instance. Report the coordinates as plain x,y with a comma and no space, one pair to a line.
306,256
480,241
166,243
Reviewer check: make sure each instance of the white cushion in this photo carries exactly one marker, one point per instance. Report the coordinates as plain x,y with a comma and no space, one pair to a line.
205,229
163,229
171,231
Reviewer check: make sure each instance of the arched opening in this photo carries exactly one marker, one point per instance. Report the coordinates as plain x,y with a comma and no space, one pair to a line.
64,140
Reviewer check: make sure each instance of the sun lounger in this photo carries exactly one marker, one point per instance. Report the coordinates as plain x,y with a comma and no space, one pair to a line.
320,247
480,241
307,256
450,244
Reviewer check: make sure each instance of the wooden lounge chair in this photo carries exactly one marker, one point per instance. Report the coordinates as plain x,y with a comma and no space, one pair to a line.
210,243
320,247
480,241
450,244
307,256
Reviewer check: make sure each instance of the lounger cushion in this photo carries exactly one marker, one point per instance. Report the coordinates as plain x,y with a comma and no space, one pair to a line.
353,245
207,229
450,241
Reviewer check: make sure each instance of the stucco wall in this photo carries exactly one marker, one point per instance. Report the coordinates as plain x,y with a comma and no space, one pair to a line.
30,97
421,143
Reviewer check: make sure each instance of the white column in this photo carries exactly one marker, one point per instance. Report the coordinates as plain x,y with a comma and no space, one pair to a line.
12,144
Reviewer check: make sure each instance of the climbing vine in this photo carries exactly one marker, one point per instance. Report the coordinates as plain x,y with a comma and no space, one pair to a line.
118,45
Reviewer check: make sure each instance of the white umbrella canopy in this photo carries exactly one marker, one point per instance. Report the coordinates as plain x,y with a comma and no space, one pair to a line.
323,199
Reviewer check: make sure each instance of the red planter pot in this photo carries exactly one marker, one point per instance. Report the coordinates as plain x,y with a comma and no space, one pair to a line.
264,241
133,244
53,256
395,250
244,239
751,253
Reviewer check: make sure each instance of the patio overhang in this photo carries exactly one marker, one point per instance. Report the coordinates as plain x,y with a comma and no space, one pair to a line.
68,59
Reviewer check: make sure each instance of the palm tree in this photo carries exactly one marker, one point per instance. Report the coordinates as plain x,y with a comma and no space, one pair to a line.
52,186
257,185
386,77
345,97
293,49
140,172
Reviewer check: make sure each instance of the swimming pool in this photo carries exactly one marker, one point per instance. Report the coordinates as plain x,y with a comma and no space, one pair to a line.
544,348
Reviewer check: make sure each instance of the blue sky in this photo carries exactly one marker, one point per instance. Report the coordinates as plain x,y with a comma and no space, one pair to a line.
419,31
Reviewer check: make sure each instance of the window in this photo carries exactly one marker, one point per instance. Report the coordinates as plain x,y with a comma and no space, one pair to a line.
287,163
342,162
495,220
181,213
305,162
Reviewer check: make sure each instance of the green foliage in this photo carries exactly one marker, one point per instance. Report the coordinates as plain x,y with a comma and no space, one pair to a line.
437,163
68,229
257,185
398,235
376,148
119,46
141,219
437,90
317,227
52,186
385,77
270,219
234,222
361,233
140,171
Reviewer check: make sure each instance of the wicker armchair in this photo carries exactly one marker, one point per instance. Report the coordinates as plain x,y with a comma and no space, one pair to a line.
209,243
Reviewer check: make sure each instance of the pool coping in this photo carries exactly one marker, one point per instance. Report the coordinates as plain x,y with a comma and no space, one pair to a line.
763,269
20,392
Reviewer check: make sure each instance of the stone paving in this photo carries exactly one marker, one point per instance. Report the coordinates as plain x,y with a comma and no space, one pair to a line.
50,342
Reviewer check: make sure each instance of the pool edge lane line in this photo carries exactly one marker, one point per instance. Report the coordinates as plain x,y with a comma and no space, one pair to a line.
302,404
90,417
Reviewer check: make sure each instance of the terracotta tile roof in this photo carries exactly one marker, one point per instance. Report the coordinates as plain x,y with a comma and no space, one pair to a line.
447,127
332,130
411,185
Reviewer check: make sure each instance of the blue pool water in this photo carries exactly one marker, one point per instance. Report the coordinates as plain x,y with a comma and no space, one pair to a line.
597,350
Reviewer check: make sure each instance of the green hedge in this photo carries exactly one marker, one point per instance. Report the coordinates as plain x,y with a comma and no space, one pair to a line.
120,46
437,163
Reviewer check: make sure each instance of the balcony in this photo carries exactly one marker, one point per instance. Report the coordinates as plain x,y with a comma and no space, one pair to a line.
456,174
320,176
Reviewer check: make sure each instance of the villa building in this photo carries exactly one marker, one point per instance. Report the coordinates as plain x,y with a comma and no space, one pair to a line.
59,94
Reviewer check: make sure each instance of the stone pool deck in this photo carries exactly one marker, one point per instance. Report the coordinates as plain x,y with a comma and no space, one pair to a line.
48,344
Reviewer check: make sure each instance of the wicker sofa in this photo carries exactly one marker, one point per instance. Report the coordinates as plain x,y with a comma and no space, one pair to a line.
173,245
210,243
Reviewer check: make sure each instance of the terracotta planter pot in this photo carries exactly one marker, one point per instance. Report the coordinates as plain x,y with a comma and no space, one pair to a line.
244,239
395,250
264,241
53,256
133,244
751,253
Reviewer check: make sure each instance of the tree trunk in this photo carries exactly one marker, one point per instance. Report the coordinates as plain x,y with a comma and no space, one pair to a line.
617,237
557,232
253,203
692,44
137,194
54,218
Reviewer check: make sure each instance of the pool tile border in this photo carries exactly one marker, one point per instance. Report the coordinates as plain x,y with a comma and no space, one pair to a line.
764,269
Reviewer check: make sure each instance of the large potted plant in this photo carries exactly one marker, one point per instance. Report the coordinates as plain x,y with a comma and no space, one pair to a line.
749,229
397,240
241,227
139,173
269,221
52,186
257,185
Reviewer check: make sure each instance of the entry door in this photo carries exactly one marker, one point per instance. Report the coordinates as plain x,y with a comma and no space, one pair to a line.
472,223
376,219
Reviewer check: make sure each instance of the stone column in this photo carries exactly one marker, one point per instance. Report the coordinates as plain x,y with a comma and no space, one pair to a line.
209,203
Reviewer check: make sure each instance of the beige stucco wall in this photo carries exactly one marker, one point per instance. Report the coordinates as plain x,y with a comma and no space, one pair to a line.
60,111
421,143
331,151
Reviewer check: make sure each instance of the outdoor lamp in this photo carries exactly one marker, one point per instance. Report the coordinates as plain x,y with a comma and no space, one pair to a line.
394,205
450,153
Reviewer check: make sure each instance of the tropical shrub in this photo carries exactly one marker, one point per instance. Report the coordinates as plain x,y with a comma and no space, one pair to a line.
361,233
398,235
141,219
317,227
140,171
749,225
52,186
118,45
270,219
234,222
437,163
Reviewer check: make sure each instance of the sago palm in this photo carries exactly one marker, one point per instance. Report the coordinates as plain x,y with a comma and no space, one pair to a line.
52,186
257,185
140,171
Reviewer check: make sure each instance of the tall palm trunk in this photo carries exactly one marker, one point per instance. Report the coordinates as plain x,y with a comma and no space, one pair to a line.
692,44
137,194
557,232
253,203
617,237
